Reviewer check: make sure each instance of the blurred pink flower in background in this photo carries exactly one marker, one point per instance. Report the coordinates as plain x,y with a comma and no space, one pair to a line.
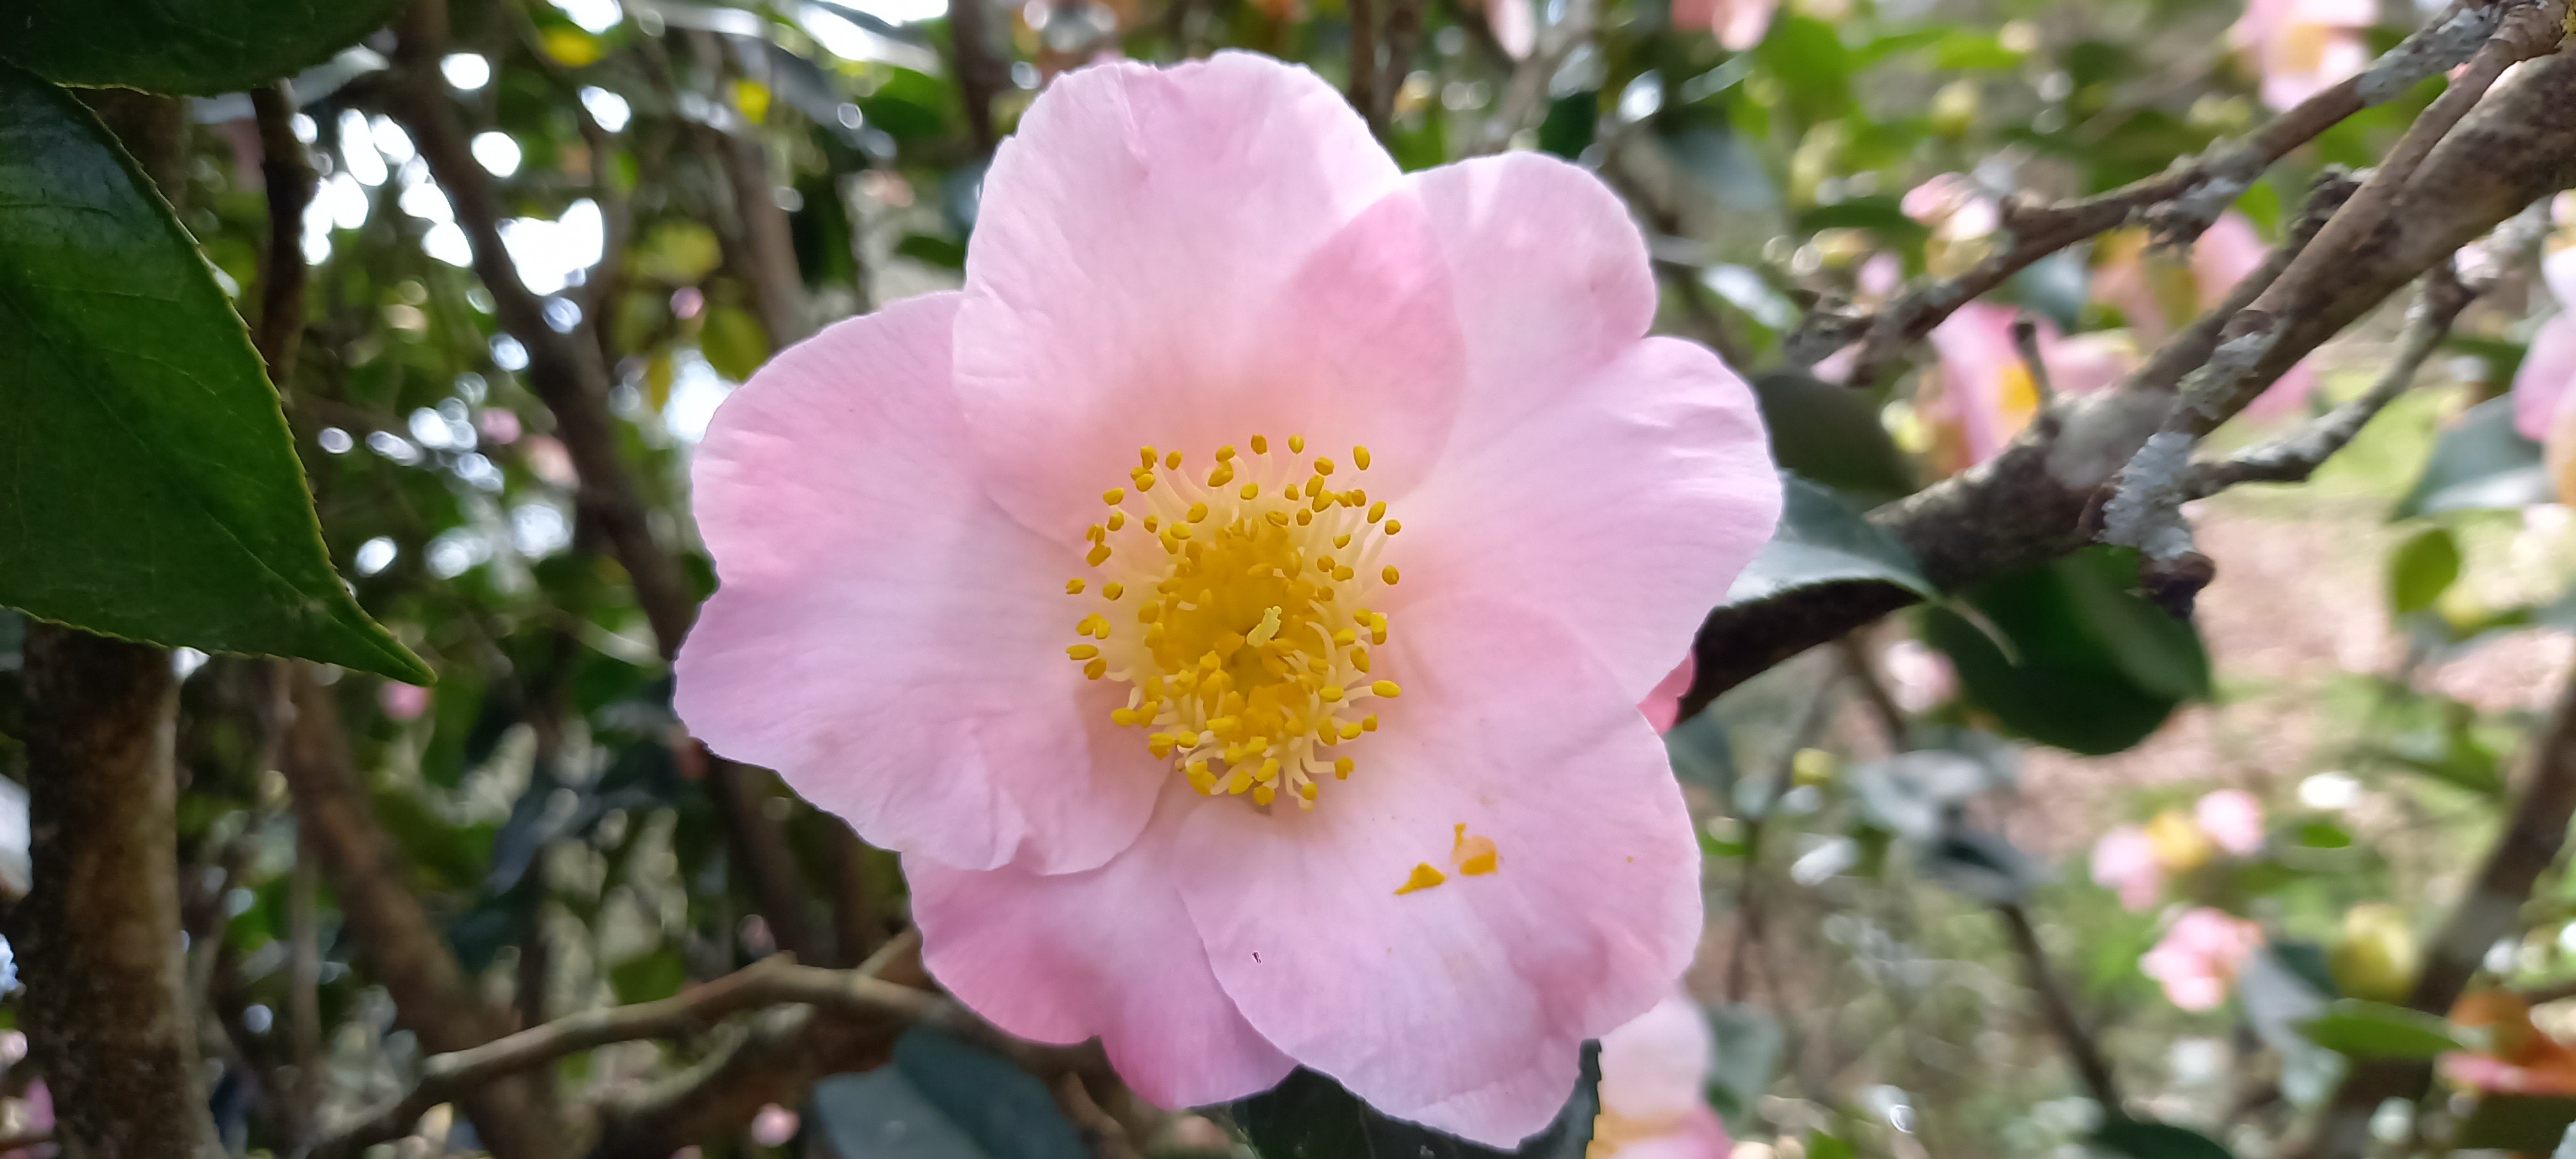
498,424
548,459
2300,47
1515,25
2199,956
1922,675
39,1118
2135,860
1739,24
1239,795
1953,206
1654,1087
2544,410
773,1126
1985,394
402,701
2157,295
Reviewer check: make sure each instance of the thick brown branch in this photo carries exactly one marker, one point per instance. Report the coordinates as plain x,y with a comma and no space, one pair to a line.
107,1011
288,173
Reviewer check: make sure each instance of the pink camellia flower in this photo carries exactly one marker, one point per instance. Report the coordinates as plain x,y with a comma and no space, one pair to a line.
2199,956
1654,1087
1663,705
2303,46
1986,394
1080,588
2158,297
774,1126
2544,410
2124,861
1515,25
1739,24
402,701
2233,819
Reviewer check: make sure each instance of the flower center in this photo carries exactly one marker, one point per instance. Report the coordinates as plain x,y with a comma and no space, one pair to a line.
1233,603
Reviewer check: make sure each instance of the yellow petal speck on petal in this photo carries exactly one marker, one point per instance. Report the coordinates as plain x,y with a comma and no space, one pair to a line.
1424,876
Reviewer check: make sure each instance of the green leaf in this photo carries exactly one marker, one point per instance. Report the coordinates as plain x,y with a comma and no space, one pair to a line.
1571,121
2092,668
1746,1041
2378,1030
2479,463
184,46
1308,1116
1807,57
733,342
1820,539
2143,1140
1831,434
2528,1124
155,493
1974,51
2421,569
943,1099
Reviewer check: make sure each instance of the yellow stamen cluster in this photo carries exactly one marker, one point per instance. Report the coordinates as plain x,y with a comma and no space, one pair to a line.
1247,647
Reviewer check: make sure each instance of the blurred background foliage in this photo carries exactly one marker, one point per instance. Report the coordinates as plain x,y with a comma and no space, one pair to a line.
691,186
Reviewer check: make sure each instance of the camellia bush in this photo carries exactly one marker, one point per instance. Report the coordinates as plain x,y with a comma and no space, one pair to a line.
1287,579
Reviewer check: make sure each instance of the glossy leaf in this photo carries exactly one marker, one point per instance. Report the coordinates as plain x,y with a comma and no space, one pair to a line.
1831,435
1309,1116
156,492
2093,666
943,1099
2480,463
2138,1139
2421,569
184,46
1821,539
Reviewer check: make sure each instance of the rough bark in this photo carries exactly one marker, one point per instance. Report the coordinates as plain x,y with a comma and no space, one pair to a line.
107,1010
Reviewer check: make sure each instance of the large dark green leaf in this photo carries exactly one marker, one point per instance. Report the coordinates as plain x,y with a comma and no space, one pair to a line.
1821,539
943,1099
1831,434
2529,1124
1308,1116
153,488
2093,667
2479,463
183,46
2138,1139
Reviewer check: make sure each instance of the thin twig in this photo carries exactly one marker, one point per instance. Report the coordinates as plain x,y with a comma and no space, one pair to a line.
1366,72
2059,1010
2025,334
288,173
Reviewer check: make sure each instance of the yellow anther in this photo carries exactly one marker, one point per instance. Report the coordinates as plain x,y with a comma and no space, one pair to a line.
1360,457
1342,767
1240,781
1114,589
1122,716
1350,730
1083,651
1331,693
1250,491
1222,475
1345,637
1344,572
1117,519
1359,659
1147,455
1098,555
1423,877
1073,587
1152,522
1394,525
1306,789
1296,444
1268,772
1095,533
1305,517
1389,574
1096,669
1159,744
1260,445
1323,466
1113,495
1180,531
1377,511
1277,518
1387,689
1369,723
1341,541
1198,512
1473,855
1263,794
1267,630
1200,778
1172,462
1225,453
1144,480
1322,500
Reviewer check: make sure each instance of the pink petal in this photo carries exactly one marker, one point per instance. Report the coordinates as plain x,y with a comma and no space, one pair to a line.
1184,257
1515,25
1976,352
2558,270
1550,278
2125,860
1110,952
2088,362
402,701
1625,507
2227,251
1700,1135
1745,23
1461,1005
1655,1066
884,636
2288,394
1663,706
2540,383
2233,819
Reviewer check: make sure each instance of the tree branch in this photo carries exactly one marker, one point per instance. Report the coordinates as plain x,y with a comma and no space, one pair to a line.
2028,505
288,174
2059,1010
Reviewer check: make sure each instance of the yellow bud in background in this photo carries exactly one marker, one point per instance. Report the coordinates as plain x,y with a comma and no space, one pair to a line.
2179,844
2375,957
1954,108
1813,767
